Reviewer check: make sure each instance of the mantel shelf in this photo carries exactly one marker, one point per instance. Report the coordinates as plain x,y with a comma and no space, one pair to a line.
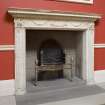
57,15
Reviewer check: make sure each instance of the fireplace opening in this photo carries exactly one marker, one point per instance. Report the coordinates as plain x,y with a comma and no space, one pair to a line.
50,54
50,48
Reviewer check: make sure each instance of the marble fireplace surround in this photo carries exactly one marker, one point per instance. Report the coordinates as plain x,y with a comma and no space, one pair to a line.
52,20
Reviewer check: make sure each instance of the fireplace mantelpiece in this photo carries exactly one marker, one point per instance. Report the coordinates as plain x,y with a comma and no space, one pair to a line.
53,20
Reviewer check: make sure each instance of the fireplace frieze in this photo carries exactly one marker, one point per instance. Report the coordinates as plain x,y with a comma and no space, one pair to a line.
27,23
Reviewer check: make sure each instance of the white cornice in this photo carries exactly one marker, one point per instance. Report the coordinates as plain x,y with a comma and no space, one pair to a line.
6,47
99,45
46,14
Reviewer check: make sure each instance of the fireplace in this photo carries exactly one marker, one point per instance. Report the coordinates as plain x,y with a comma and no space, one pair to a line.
54,20
51,53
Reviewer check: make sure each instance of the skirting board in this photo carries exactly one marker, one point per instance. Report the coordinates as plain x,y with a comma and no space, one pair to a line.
7,87
99,76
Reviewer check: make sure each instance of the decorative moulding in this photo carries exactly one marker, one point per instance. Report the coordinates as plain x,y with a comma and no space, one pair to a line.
7,47
55,15
79,1
99,45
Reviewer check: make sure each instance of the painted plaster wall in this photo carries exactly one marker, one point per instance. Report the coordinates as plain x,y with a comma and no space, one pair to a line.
6,60
7,28
100,58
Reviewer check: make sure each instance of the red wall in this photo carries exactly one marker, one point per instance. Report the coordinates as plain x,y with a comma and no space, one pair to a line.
7,31
100,59
6,60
